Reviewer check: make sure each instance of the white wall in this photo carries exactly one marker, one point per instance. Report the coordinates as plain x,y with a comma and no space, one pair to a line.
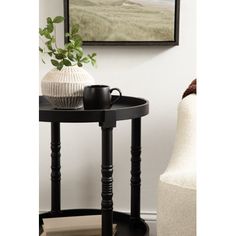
159,74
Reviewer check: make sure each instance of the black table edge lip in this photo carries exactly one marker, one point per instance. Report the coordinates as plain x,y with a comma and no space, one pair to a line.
104,110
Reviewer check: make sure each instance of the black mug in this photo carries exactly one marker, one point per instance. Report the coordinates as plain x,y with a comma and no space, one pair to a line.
99,97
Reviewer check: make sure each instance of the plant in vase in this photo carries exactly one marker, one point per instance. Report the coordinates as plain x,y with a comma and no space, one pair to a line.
63,85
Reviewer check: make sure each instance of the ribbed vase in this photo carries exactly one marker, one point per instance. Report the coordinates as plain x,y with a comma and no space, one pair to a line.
64,88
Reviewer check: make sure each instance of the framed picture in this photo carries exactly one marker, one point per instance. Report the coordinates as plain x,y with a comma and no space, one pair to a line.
124,22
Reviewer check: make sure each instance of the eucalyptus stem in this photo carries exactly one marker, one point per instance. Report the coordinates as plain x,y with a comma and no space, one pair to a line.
55,35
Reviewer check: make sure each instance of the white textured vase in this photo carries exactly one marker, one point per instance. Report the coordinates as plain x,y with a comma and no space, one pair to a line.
64,88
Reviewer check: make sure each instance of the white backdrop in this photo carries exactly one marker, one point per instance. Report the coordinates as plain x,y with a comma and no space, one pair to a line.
159,74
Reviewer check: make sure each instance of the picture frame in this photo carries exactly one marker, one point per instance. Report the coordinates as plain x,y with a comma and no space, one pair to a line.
173,42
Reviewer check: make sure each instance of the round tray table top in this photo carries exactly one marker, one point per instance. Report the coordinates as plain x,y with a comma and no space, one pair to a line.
126,108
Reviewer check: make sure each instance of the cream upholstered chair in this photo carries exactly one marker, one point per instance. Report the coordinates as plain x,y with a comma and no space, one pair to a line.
176,212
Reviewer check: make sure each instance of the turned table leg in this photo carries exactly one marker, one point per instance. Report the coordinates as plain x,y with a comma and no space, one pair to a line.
55,168
107,170
135,169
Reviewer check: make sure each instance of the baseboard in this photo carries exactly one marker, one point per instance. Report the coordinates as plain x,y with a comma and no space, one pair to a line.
149,216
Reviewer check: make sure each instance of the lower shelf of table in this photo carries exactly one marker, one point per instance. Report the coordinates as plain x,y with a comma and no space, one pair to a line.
125,227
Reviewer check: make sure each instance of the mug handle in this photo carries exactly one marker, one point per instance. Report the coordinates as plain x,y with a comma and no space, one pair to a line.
117,99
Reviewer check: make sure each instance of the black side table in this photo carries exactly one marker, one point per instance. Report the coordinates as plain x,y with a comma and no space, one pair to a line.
127,108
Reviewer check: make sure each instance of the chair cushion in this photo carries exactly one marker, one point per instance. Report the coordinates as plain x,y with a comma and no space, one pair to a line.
176,214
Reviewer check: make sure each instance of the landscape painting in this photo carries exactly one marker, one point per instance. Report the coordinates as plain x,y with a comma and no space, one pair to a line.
124,21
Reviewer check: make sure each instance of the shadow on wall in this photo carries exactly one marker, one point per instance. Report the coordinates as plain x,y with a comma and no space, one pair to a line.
160,140
135,55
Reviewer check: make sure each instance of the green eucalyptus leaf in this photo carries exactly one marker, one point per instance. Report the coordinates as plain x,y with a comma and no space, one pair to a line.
74,29
79,51
79,64
49,45
55,62
41,32
66,62
40,49
72,42
49,20
78,57
77,37
93,62
50,28
85,60
58,19
61,51
66,45
70,46
53,39
77,43
94,54
71,57
47,34
50,54
60,65
59,56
